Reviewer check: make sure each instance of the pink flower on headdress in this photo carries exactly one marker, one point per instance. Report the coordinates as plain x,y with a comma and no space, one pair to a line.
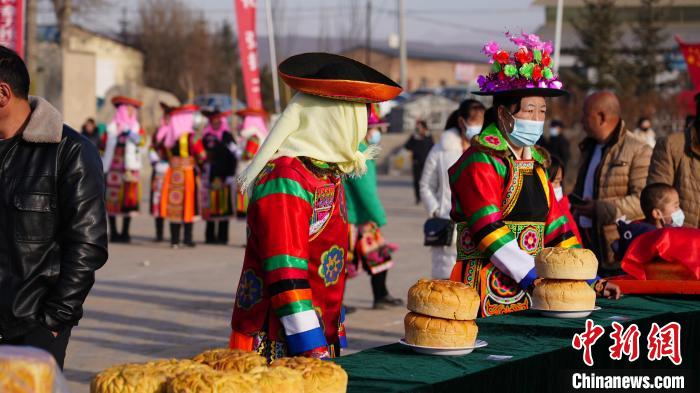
547,47
490,48
555,85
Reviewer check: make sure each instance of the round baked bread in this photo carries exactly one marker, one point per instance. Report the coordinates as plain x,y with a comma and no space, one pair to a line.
143,377
129,378
566,264
438,332
444,299
319,376
278,379
225,359
563,295
213,382
662,270
26,370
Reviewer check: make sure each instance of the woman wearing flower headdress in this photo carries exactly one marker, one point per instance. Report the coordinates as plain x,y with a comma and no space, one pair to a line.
121,162
503,203
290,292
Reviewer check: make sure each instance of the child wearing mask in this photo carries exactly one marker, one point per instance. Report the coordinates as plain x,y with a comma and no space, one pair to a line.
556,176
661,206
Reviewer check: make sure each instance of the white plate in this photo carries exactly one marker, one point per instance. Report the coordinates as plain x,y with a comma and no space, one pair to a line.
445,351
567,314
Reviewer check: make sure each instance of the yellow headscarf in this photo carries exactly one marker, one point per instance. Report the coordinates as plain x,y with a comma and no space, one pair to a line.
320,128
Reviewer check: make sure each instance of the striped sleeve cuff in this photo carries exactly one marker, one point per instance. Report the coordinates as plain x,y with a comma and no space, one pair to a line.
303,332
529,278
514,262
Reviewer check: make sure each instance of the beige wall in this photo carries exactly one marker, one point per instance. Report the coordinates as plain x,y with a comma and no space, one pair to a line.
126,62
78,88
421,72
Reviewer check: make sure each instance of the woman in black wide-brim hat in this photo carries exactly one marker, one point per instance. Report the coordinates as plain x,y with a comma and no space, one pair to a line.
503,201
290,294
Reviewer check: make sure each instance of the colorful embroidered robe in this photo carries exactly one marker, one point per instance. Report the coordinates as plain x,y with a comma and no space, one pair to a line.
290,292
506,212
179,195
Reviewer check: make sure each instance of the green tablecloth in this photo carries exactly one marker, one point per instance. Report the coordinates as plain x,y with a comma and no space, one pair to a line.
542,356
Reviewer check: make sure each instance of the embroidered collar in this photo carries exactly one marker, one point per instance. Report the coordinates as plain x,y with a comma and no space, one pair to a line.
491,140
319,168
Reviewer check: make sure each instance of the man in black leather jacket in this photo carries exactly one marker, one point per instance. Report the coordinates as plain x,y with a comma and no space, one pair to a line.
53,232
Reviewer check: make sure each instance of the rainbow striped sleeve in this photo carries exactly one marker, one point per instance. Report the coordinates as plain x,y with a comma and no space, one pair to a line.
283,209
477,181
557,230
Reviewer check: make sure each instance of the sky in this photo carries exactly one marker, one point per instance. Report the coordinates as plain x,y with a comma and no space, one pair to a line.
439,21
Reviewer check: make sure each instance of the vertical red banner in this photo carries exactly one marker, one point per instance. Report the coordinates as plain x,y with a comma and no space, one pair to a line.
12,25
691,52
248,51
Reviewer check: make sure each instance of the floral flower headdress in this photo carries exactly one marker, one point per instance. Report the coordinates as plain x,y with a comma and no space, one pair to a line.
526,71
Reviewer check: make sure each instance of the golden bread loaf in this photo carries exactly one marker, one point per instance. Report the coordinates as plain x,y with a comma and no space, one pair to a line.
142,377
21,374
213,382
278,379
438,332
563,295
225,359
320,376
444,299
566,263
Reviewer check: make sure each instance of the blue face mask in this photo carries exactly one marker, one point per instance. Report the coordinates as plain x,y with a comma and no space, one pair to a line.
375,138
526,132
472,131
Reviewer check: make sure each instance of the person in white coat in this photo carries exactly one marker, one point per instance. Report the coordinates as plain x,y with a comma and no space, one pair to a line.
463,124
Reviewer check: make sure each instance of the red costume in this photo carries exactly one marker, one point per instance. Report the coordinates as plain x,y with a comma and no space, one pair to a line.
291,288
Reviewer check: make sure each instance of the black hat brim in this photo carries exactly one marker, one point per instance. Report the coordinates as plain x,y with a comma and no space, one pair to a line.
338,77
519,93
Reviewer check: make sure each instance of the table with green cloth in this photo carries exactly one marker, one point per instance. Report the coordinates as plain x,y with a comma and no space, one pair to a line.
533,353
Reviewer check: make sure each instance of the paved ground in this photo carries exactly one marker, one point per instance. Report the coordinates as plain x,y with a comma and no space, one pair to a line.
153,302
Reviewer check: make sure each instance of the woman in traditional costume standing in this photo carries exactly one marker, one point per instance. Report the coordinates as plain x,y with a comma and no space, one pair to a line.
218,177
503,202
121,162
291,287
176,142
251,134
366,215
159,166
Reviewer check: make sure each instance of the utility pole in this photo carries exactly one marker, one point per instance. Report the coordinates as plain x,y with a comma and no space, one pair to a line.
557,34
368,42
402,43
124,26
64,15
273,56
31,40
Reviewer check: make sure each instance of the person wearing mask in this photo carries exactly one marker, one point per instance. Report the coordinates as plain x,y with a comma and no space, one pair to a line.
556,143
613,171
218,177
366,215
462,125
176,142
121,161
645,132
676,161
290,292
419,144
90,131
661,206
503,203
53,223
556,173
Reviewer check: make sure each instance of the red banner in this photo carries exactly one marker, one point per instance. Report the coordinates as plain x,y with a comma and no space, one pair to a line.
12,25
691,52
248,51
